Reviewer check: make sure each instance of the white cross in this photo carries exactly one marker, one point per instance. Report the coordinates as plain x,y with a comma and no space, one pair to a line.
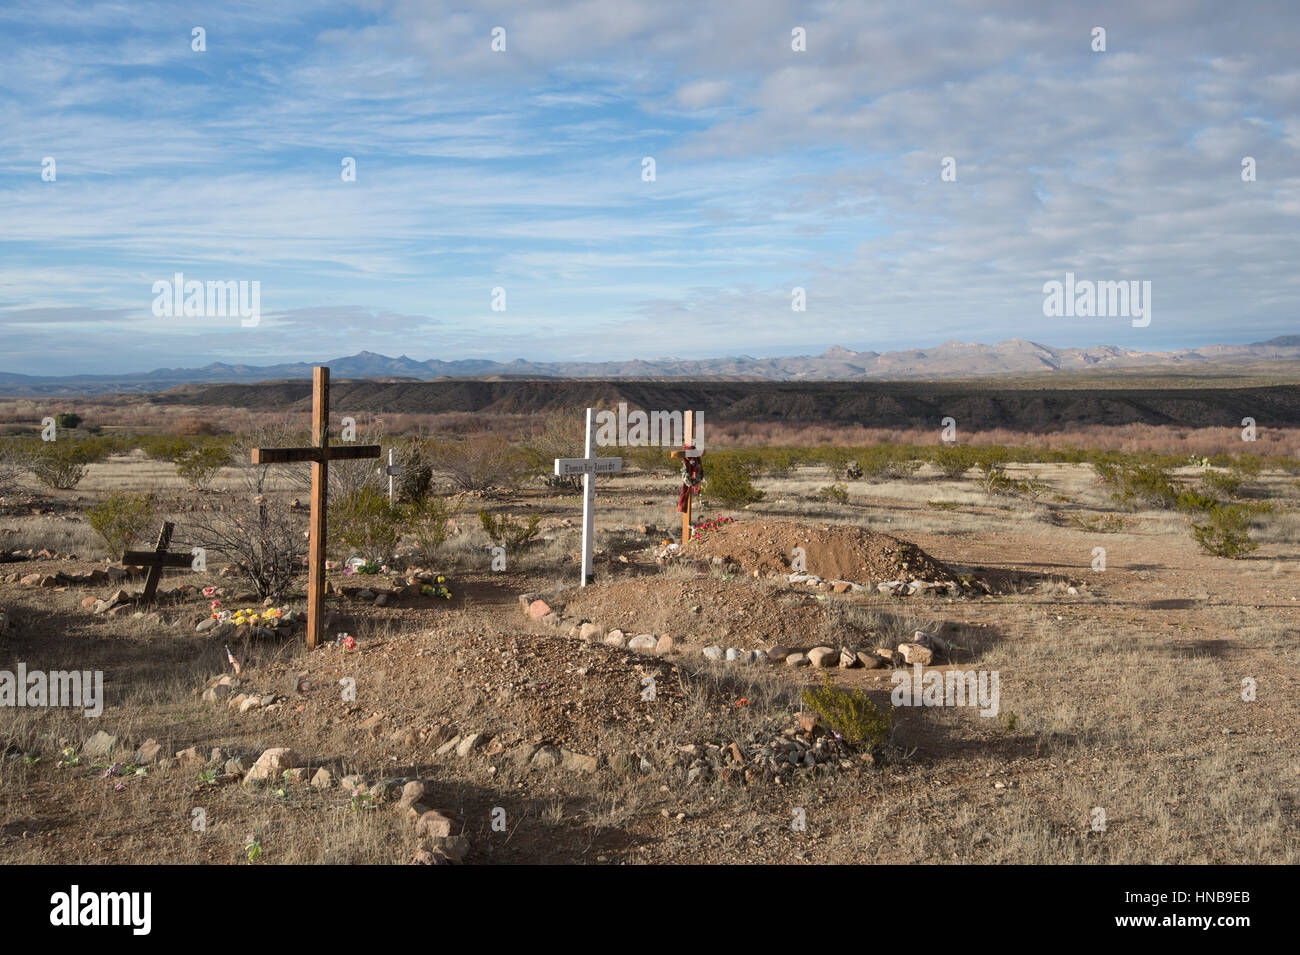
589,465
392,470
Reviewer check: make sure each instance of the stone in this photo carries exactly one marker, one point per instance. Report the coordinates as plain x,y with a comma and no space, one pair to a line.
643,643
381,600
88,602
915,653
840,586
252,703
412,793
796,660
433,825
236,766
616,638
99,746
470,743
447,747
848,659
386,790
577,762
732,655
713,653
323,779
869,660
888,587
538,609
778,653
209,624
352,783
823,657
148,752
215,694
664,645
191,755
454,848
588,631
546,757
806,721
273,762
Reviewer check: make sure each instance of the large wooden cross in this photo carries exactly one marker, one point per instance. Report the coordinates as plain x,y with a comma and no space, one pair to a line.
688,451
320,454
589,465
156,560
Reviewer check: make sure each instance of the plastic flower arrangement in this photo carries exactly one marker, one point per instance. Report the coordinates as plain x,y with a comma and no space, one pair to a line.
713,523
438,589
252,617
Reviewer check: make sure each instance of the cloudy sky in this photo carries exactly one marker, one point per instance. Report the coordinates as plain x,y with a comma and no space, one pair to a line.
524,169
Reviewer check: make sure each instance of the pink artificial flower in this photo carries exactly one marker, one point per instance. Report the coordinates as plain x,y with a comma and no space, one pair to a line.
349,642
209,591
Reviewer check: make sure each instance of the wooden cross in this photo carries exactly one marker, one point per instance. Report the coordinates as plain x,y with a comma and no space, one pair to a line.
688,451
589,465
392,470
156,560
320,454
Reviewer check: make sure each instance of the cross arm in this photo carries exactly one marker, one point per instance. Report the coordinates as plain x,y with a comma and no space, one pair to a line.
146,557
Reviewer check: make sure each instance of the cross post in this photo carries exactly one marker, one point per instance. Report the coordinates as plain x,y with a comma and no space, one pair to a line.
392,470
688,451
589,465
156,560
319,454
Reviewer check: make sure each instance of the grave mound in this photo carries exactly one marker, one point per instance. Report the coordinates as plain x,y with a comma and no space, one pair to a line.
832,551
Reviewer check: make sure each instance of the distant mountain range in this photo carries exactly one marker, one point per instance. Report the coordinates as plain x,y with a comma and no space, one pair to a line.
952,359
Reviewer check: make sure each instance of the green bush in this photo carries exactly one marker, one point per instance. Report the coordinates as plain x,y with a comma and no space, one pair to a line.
62,464
427,519
505,531
199,465
993,478
166,447
727,481
836,493
849,713
366,523
1219,482
122,519
953,460
67,420
1226,533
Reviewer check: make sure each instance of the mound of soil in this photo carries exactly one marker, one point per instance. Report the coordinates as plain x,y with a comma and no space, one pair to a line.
833,551
699,611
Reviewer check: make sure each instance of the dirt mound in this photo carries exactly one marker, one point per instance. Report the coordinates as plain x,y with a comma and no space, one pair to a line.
832,551
700,611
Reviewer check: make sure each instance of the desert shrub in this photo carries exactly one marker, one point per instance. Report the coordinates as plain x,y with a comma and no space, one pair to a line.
481,462
15,461
849,713
1247,466
427,519
727,481
1190,501
1219,482
1226,533
62,464
412,485
993,479
1101,524
1139,485
122,519
67,420
199,465
366,523
835,493
953,461
504,531
266,539
166,447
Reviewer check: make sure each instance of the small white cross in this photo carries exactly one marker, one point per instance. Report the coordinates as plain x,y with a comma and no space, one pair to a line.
588,466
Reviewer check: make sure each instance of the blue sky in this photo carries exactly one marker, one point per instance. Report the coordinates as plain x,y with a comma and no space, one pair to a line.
522,169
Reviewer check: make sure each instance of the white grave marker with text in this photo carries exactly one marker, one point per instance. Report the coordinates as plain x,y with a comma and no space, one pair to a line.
588,466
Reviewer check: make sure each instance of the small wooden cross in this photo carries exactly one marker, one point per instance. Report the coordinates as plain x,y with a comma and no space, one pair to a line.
319,454
156,560
688,451
589,465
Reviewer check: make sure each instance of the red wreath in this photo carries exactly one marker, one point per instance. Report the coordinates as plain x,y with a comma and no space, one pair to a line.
692,476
